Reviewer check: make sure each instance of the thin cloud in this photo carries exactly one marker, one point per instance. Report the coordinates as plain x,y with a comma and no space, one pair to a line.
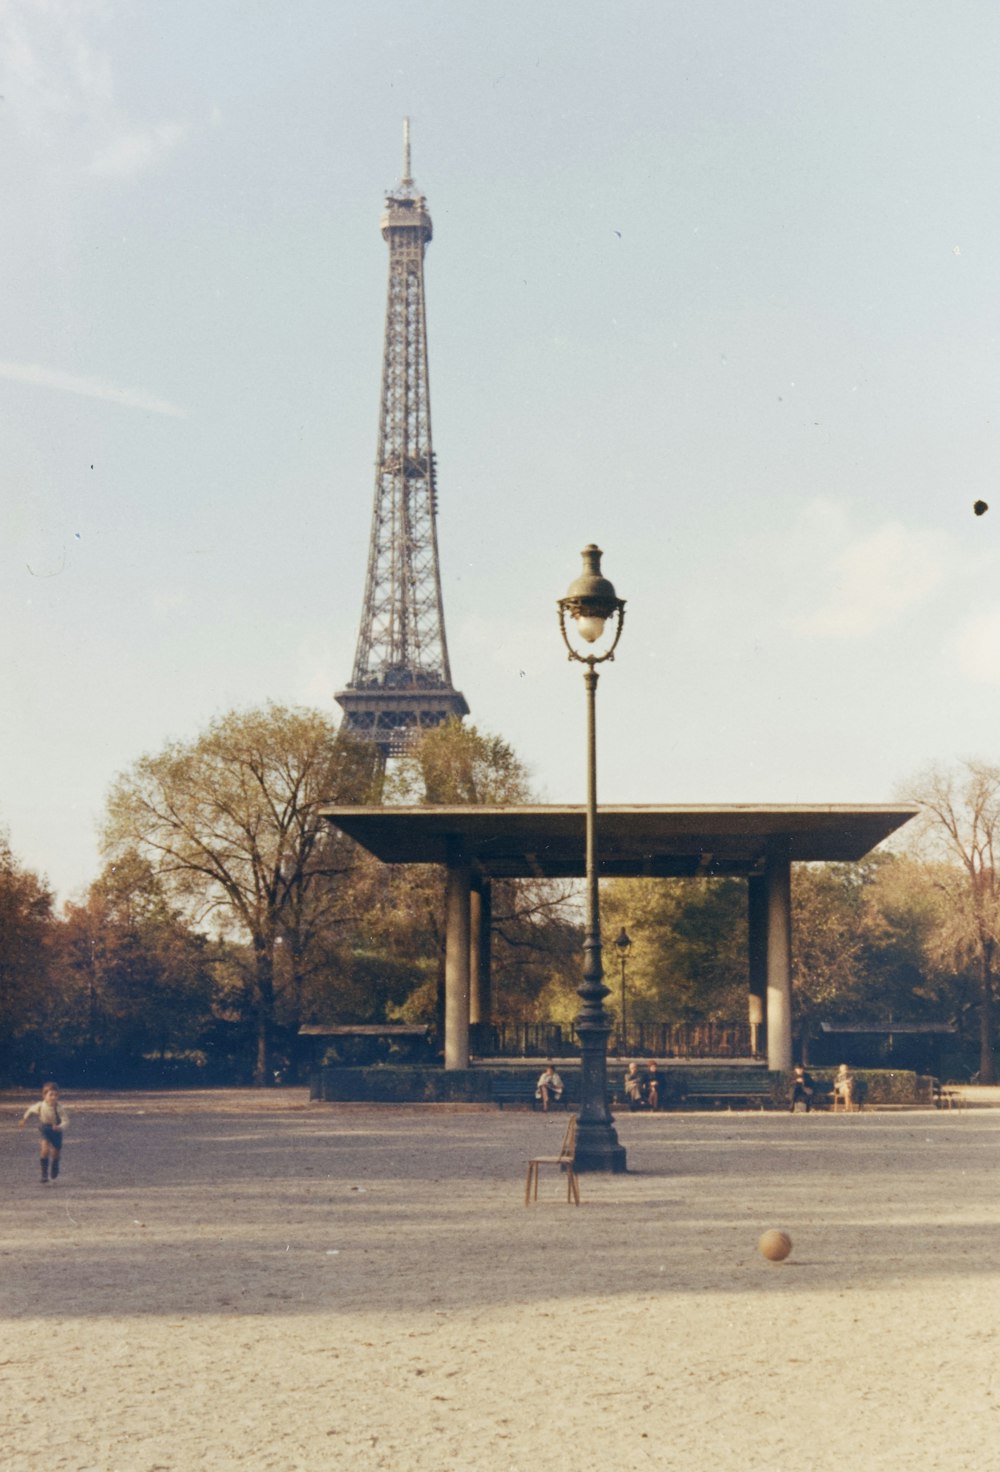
977,647
129,153
57,76
878,577
54,77
91,388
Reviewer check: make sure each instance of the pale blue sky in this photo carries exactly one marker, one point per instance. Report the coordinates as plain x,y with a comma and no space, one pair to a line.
715,284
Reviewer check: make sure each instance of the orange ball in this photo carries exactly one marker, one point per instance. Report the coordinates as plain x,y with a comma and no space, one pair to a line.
775,1245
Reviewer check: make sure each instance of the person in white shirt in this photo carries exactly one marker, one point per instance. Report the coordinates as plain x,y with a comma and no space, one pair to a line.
549,1086
843,1085
52,1120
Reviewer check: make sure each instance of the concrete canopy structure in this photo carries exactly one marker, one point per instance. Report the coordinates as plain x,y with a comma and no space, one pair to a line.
759,843
666,842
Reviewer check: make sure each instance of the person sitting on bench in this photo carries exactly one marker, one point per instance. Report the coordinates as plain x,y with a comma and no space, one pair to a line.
635,1087
802,1088
843,1086
653,1081
549,1086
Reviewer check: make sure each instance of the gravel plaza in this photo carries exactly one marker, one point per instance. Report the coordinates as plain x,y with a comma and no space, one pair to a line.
239,1279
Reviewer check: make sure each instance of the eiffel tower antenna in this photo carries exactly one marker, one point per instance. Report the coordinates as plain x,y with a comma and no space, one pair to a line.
407,176
401,683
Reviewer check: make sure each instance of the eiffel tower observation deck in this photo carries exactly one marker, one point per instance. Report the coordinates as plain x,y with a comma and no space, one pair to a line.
401,683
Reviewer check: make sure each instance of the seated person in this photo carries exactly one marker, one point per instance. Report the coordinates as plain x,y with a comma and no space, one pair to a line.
802,1088
635,1087
653,1081
843,1085
549,1086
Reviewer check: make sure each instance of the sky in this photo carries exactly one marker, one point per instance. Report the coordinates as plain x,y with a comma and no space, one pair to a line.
713,283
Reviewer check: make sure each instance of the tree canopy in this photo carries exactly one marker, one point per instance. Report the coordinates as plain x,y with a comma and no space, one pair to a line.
28,997
229,912
957,840
230,823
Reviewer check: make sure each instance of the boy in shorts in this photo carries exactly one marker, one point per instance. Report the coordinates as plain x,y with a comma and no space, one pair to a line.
52,1120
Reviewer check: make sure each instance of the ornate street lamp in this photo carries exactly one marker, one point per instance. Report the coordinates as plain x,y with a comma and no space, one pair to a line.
624,945
590,603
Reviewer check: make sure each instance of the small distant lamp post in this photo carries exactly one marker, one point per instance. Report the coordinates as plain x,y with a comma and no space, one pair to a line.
590,603
624,945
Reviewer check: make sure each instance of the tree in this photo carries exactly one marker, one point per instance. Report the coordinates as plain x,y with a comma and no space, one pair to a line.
828,942
689,953
689,960
458,765
26,991
398,934
957,838
909,973
139,973
230,824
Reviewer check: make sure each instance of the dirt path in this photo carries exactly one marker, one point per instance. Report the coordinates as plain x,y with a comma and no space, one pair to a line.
238,1281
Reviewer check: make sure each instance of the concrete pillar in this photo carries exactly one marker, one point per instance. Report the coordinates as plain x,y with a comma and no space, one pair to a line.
480,959
757,936
778,879
456,965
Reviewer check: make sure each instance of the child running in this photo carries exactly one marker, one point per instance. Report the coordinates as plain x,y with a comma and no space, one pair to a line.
52,1120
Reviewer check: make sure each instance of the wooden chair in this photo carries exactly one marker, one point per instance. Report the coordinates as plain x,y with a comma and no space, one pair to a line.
565,1162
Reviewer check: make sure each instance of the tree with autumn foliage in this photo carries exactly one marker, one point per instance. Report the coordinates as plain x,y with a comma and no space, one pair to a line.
400,909
230,824
138,976
28,994
956,839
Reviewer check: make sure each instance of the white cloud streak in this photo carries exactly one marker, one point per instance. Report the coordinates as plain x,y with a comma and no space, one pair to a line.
91,388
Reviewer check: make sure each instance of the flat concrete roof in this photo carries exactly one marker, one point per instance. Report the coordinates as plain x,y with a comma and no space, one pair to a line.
667,842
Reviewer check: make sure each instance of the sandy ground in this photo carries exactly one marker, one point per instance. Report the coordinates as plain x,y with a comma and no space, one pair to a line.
237,1280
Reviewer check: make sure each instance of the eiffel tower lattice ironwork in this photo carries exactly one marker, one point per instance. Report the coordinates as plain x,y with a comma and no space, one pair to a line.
401,682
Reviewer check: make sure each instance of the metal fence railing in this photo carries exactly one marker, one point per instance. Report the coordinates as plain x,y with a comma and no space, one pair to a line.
650,1039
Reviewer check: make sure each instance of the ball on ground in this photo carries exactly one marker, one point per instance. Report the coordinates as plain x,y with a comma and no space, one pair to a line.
775,1245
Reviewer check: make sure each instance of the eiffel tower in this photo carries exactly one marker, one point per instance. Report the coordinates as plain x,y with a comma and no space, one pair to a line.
401,683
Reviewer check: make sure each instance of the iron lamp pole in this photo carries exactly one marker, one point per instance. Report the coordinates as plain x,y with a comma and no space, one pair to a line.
590,603
624,945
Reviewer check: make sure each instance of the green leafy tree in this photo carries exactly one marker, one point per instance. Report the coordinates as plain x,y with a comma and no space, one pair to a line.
689,948
910,969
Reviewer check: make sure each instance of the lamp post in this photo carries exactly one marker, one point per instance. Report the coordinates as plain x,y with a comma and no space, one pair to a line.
590,602
624,945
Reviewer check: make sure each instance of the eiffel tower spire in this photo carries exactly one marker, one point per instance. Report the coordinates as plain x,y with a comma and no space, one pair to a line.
401,683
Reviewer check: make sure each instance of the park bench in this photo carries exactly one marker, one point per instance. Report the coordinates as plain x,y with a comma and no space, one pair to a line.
728,1086
522,1091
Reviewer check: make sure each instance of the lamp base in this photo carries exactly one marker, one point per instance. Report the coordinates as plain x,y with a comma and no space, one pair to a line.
597,1149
